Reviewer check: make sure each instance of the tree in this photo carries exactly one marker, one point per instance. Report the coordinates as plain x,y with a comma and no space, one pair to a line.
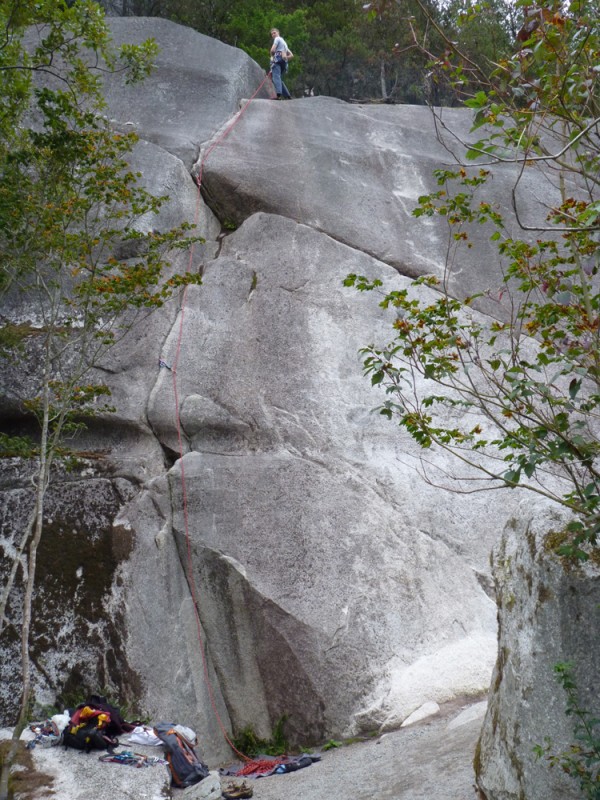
395,37
483,31
533,377
342,48
69,204
248,26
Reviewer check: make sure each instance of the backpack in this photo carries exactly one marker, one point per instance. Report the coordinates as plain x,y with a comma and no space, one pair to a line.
185,766
88,730
88,736
116,724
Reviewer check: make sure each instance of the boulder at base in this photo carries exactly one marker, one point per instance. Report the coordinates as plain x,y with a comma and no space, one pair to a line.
547,608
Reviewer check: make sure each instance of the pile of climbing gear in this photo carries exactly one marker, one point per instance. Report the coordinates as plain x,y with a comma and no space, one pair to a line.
131,759
95,725
46,733
92,725
262,766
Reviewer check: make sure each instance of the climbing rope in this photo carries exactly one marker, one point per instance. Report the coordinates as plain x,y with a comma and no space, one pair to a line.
173,368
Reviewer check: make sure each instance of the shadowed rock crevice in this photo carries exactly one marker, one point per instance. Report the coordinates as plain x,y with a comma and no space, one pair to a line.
170,456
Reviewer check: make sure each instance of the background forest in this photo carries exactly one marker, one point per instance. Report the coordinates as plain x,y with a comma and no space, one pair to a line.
348,48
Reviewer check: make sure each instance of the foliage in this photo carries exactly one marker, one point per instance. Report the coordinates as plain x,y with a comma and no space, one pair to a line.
16,446
248,26
532,380
334,48
484,30
581,760
75,243
398,38
432,38
331,744
250,744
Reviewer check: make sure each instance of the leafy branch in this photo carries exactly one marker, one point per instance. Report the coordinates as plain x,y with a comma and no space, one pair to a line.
518,399
581,760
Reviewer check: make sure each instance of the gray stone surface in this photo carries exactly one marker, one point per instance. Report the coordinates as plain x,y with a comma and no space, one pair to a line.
421,763
162,637
65,774
197,85
431,760
356,172
314,542
312,545
547,610
332,583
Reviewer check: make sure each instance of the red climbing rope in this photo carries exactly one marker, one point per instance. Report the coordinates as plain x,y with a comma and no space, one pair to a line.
258,767
190,572
226,132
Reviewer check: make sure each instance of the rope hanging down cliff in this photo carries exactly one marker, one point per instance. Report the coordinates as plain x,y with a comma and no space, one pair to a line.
173,368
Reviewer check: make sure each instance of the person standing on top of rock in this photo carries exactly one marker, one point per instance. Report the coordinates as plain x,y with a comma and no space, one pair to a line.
279,65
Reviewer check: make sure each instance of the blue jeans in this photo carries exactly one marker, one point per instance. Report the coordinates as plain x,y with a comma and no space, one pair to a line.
277,70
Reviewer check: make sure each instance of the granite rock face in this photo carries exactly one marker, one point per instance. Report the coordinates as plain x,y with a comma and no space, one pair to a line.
356,172
281,523
310,541
196,87
546,610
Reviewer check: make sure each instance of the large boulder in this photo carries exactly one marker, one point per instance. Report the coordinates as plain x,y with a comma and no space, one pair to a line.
356,172
284,555
546,609
197,85
313,541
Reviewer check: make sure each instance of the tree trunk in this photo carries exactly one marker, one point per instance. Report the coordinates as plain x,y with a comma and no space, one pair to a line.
38,520
10,581
384,95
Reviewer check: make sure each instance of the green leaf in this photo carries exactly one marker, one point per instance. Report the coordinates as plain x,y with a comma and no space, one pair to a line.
478,101
574,388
